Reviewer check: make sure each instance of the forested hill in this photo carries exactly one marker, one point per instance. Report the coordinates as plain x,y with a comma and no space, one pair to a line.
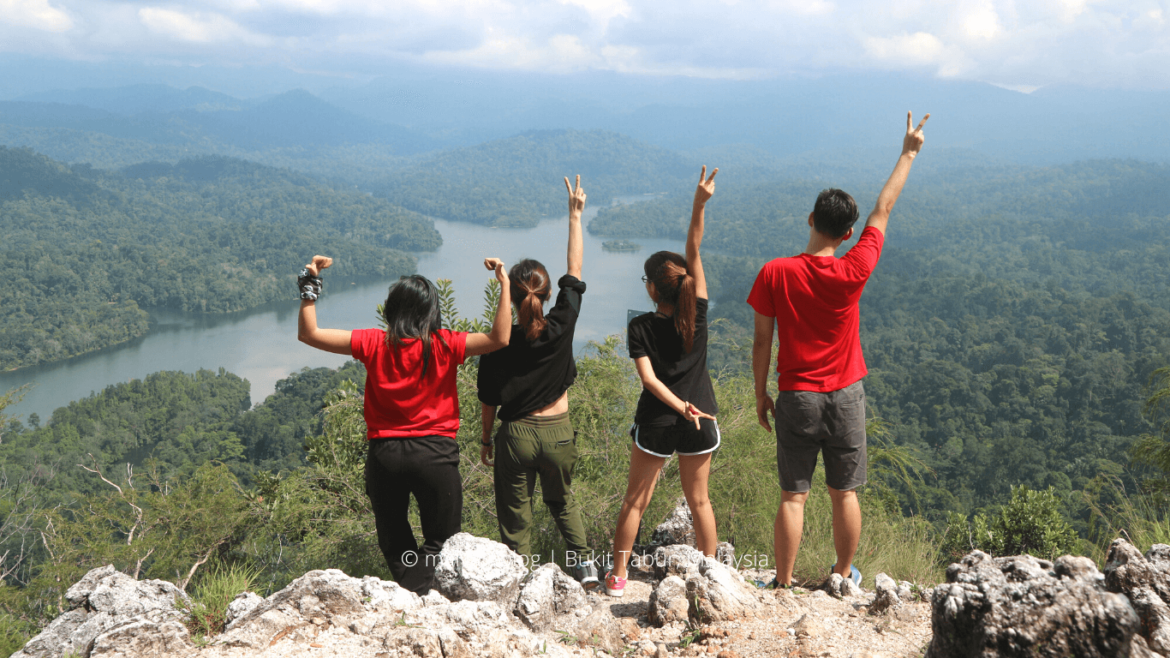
516,181
87,250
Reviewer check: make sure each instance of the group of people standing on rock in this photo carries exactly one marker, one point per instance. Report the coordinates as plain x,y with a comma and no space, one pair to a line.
411,405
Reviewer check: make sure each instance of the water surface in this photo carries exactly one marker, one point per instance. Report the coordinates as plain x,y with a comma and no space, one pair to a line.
260,345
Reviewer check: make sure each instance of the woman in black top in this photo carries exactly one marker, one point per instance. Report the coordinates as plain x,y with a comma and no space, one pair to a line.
676,412
526,384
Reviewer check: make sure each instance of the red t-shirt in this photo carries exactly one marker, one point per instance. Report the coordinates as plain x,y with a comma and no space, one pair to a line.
399,402
814,300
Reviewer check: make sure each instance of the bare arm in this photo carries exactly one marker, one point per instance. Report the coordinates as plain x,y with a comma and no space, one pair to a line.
336,341
488,418
911,145
703,192
651,383
761,360
501,331
576,241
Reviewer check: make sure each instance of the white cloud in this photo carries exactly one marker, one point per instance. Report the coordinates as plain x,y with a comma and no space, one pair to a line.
195,28
1015,43
913,49
37,14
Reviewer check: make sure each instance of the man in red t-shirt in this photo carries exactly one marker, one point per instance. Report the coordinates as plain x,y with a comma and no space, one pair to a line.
812,299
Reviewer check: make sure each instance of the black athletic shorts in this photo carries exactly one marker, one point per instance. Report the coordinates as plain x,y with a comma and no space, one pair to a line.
808,423
682,437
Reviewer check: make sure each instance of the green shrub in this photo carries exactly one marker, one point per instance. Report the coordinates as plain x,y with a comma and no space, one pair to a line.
1031,523
207,607
14,633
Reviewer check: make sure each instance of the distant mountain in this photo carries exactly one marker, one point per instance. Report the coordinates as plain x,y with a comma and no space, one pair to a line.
136,99
516,181
199,121
784,117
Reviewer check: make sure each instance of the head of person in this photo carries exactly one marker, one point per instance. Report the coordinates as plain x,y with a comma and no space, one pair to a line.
530,290
412,311
834,214
669,282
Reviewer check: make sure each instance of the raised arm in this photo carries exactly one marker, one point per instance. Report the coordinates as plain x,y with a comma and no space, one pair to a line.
703,192
911,145
501,331
576,241
336,341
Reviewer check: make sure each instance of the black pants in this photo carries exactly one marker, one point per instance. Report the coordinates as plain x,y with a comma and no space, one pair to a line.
428,468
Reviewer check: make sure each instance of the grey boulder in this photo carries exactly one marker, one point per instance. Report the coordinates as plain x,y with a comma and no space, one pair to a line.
475,569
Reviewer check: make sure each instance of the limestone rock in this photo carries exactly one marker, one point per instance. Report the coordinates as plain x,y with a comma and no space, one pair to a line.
547,593
1145,580
143,639
600,630
244,603
678,528
725,553
102,601
1020,606
717,593
808,626
1126,570
676,560
668,601
886,594
475,569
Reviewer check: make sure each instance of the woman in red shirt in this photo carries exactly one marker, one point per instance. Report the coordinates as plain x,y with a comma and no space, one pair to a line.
411,410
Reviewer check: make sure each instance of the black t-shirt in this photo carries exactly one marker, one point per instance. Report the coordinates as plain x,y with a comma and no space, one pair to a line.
684,373
524,376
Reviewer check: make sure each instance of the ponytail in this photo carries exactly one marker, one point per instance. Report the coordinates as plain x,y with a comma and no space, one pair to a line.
530,290
675,286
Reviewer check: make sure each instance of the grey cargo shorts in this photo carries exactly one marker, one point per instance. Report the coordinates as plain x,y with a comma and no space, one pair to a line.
808,423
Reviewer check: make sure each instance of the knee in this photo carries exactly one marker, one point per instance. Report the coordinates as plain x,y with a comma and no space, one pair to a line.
838,496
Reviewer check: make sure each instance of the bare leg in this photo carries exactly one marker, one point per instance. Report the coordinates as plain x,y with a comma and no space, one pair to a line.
644,470
846,528
788,529
693,471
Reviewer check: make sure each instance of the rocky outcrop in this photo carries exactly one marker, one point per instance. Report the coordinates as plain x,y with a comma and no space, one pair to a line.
110,612
1145,581
548,595
717,593
1024,606
668,601
476,569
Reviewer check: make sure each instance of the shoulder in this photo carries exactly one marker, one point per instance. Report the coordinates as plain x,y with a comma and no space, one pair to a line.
366,341
455,340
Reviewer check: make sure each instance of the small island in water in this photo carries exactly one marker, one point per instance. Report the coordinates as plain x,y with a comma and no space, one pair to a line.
620,245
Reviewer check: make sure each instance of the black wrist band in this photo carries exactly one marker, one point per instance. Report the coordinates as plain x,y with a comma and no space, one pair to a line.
308,285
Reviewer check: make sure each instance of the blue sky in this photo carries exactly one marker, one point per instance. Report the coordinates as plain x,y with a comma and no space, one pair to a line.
1016,44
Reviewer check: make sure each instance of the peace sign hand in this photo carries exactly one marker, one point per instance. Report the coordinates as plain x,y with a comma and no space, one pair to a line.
576,198
706,188
912,143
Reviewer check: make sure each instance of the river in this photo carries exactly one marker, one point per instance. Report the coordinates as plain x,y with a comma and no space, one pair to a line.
260,345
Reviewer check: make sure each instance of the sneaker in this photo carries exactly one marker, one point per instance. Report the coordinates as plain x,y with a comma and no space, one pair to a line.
854,575
614,586
586,574
775,584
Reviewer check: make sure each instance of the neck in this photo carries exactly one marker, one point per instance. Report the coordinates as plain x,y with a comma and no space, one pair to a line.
821,245
665,309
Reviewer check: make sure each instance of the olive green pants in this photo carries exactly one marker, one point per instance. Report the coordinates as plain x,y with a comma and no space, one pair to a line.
528,448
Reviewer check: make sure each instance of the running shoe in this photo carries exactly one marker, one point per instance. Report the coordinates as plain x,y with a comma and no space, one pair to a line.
614,586
854,575
586,574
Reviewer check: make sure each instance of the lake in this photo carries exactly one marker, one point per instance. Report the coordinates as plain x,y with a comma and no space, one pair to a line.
260,345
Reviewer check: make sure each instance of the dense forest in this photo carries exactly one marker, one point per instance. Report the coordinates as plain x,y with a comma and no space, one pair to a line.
513,182
88,250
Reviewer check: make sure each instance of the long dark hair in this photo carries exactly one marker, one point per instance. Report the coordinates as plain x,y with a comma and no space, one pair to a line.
530,290
412,311
675,285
